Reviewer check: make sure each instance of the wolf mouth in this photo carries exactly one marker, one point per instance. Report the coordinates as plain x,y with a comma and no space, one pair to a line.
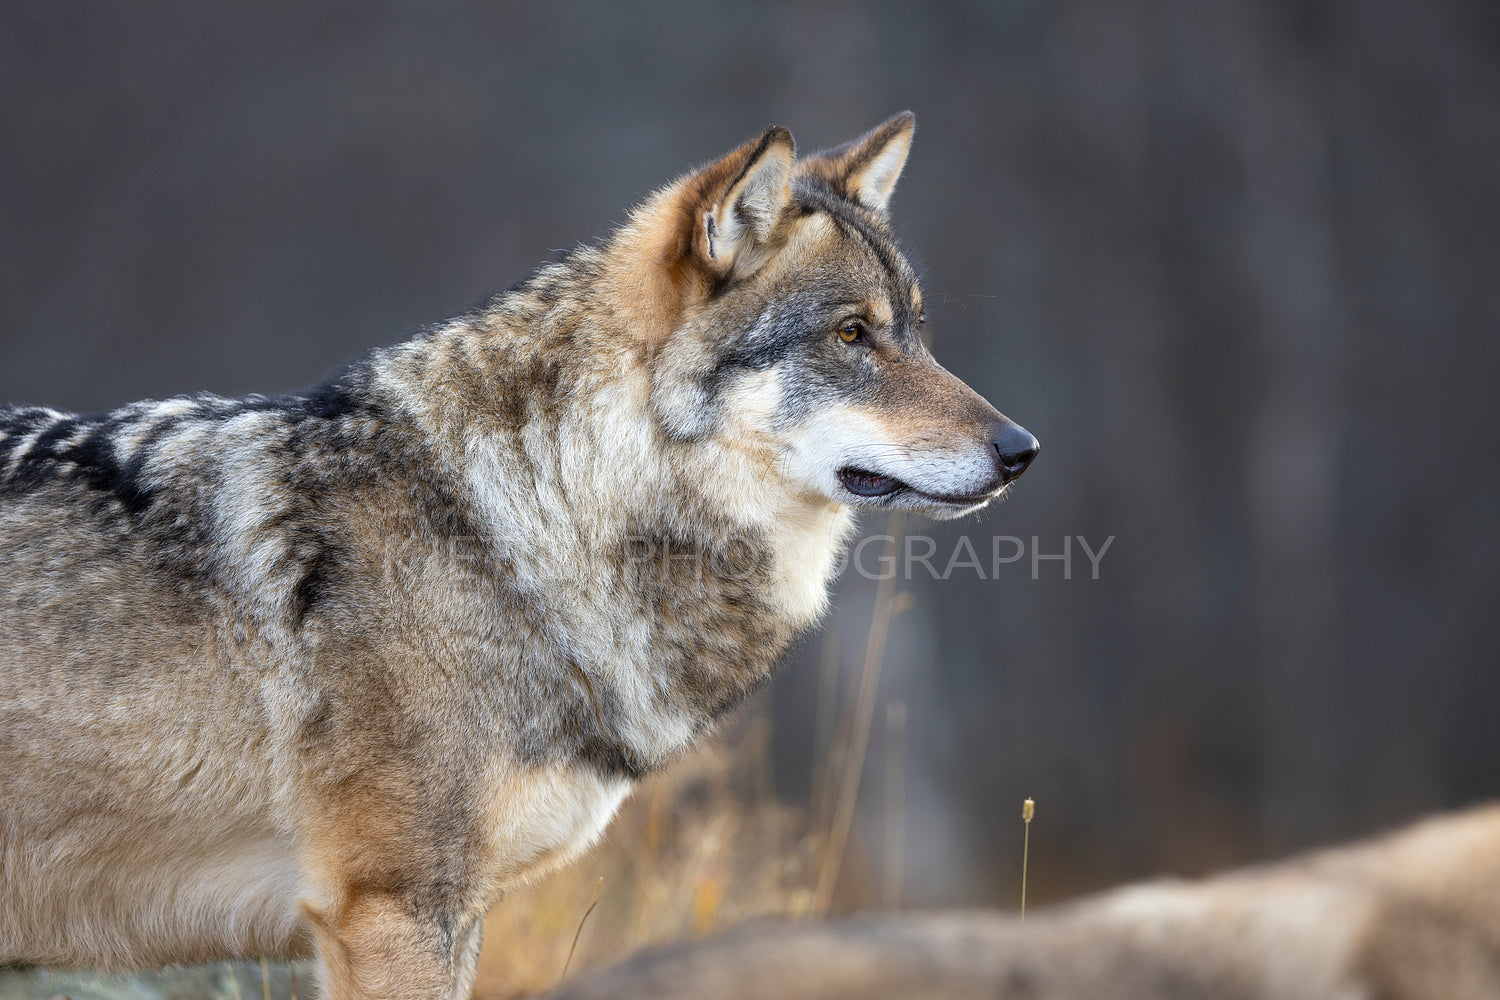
864,483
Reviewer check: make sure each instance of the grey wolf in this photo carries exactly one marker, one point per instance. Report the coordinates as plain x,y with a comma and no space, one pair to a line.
325,673
1408,916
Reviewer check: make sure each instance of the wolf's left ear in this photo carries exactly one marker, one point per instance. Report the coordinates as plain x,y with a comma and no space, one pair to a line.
866,170
740,198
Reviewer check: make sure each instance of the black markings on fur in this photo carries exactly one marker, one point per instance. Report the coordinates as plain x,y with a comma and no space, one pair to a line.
568,715
16,423
45,448
132,490
98,464
611,758
94,461
89,461
343,395
596,733
319,561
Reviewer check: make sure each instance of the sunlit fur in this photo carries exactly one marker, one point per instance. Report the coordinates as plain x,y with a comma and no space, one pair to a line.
328,672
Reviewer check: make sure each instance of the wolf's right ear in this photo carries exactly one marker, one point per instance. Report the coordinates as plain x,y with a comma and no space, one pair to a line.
866,170
735,203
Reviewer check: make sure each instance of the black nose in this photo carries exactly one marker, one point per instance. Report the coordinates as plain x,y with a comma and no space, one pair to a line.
1014,448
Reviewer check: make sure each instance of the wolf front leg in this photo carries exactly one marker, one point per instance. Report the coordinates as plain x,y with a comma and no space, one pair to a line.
377,947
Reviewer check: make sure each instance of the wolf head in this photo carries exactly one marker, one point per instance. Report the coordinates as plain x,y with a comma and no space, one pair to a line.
795,331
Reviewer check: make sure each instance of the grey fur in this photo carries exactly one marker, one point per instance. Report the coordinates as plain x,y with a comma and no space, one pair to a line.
336,668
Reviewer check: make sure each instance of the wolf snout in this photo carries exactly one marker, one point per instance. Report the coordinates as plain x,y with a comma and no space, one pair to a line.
1014,448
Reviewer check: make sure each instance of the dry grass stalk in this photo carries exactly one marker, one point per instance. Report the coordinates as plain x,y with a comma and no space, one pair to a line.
825,735
593,901
887,604
895,804
1028,810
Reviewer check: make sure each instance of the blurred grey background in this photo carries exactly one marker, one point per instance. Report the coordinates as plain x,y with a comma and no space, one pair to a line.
1234,263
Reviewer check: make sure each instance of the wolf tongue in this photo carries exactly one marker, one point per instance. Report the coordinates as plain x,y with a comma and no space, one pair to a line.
867,484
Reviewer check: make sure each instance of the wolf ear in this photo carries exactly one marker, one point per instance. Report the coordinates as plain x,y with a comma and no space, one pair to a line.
737,201
866,170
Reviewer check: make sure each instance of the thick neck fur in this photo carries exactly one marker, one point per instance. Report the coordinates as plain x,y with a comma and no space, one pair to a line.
672,574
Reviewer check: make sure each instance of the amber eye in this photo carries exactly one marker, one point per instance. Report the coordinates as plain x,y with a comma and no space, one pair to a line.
851,331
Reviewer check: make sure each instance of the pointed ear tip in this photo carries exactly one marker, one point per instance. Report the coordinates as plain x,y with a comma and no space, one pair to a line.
779,135
906,121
